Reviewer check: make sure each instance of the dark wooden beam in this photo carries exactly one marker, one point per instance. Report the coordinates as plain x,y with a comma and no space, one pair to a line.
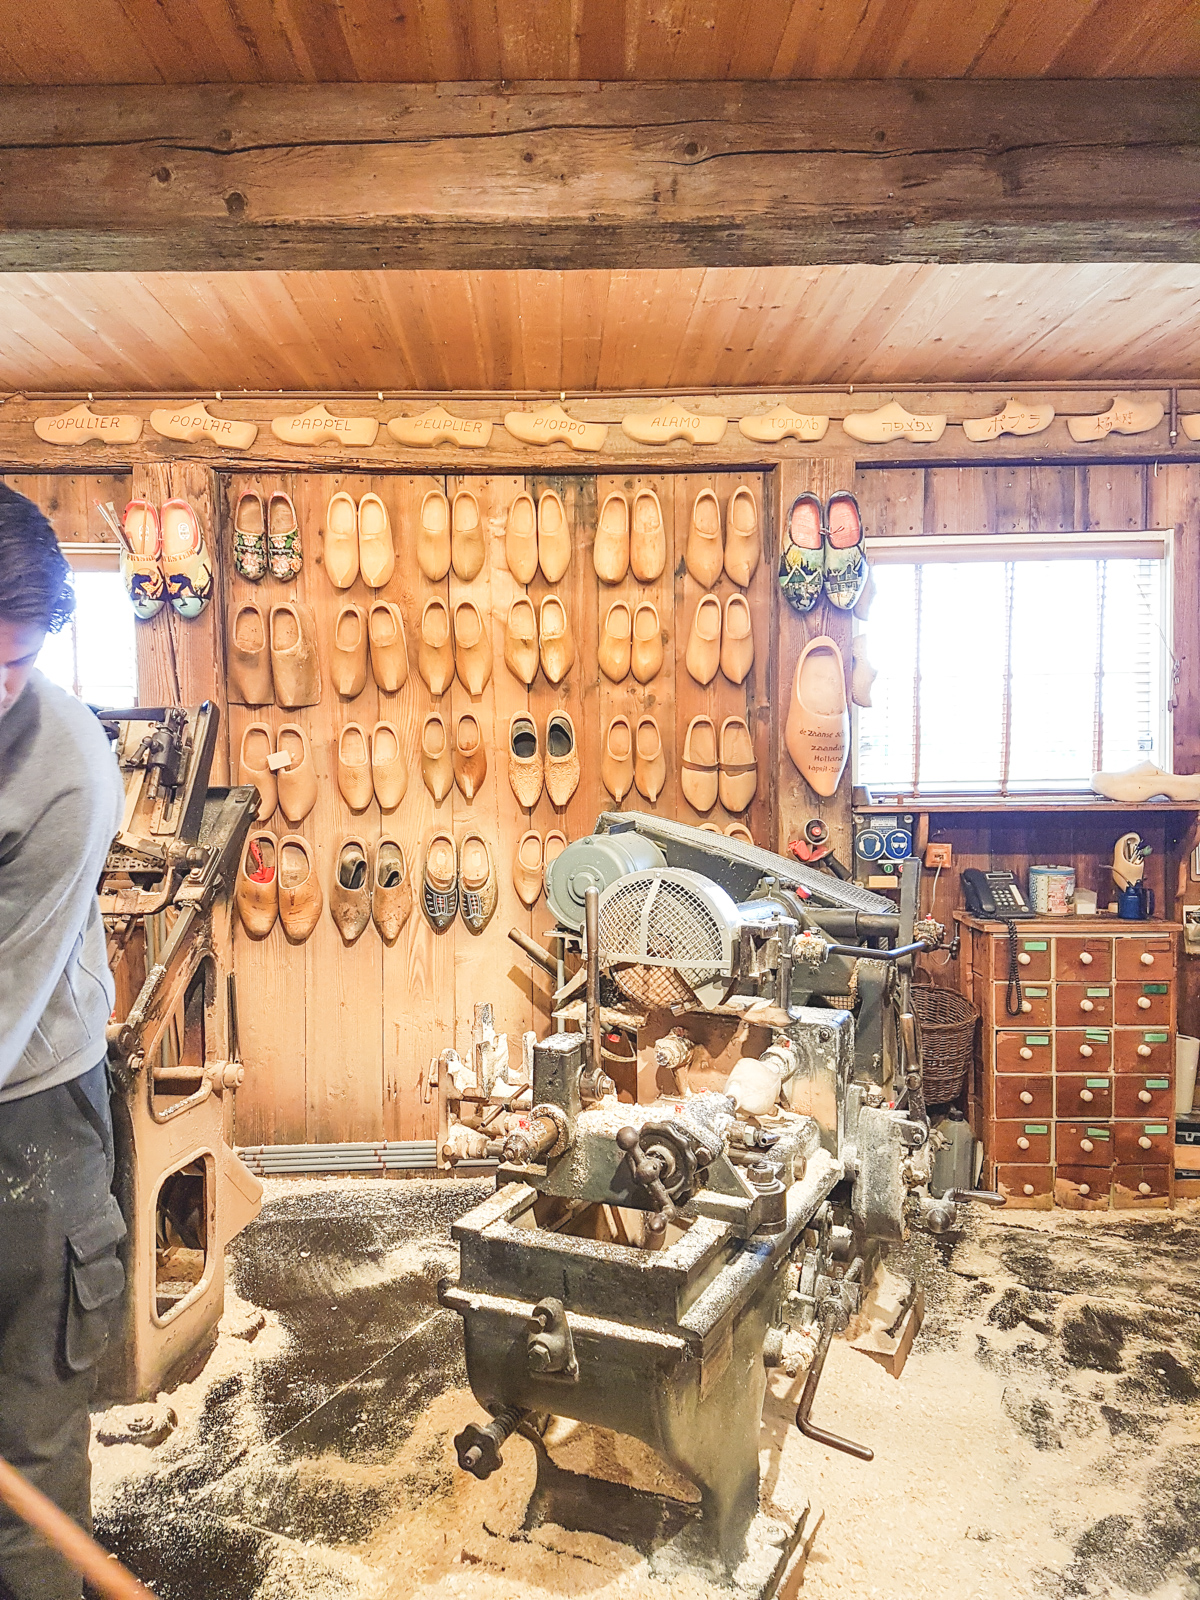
563,176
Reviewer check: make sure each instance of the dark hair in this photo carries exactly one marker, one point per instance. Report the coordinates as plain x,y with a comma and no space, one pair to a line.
35,582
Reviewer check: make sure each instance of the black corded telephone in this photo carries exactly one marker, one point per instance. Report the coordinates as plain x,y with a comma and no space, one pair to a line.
993,894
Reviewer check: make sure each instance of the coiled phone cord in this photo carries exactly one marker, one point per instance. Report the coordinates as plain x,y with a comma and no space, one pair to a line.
1014,1000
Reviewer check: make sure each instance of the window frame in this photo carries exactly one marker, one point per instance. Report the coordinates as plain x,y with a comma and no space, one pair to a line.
1160,544
89,556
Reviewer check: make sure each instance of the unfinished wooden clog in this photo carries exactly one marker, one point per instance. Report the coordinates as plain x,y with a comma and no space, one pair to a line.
673,421
81,422
552,425
1129,413
785,422
892,421
319,426
1016,418
193,423
439,426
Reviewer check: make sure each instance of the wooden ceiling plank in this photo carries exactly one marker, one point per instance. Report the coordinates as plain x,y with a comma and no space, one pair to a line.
1027,41
1115,33
117,326
395,292
597,50
57,43
194,39
584,299
540,309
535,38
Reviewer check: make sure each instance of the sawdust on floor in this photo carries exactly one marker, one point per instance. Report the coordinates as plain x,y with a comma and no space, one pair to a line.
1042,1443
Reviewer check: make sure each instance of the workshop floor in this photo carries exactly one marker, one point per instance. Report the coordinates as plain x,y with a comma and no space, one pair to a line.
1044,1440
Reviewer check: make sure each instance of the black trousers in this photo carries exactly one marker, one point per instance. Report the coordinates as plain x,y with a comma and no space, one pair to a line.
60,1283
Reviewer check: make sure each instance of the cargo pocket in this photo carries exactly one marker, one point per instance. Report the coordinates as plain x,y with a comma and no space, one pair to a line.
97,1281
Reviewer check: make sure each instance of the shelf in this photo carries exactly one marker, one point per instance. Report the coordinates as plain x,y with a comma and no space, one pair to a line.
1067,807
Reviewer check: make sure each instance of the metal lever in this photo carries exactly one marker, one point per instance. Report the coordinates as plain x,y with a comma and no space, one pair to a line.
986,1197
647,1173
834,1314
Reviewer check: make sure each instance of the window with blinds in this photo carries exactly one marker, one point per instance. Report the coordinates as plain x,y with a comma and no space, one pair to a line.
95,655
1015,665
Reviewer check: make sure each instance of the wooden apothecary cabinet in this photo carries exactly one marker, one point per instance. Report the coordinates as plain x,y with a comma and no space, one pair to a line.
1075,1098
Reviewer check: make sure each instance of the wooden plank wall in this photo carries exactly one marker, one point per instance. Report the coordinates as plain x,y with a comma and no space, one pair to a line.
336,1040
1053,499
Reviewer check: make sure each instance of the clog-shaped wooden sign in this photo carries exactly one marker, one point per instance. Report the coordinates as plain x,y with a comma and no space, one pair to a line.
673,421
1015,418
319,426
194,422
81,422
439,426
1129,413
892,421
552,425
785,422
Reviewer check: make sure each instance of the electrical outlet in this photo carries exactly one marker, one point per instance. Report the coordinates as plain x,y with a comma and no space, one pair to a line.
938,855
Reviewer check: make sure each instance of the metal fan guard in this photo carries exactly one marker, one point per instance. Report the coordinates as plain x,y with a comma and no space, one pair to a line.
664,934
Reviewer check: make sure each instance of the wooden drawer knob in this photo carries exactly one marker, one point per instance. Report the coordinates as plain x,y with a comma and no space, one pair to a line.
1025,1097
1085,958
1028,1189
1022,1143
1085,1188
1143,1188
1085,1050
1145,1050
1024,958
1146,958
1087,1005
1086,1094
1026,1005
1146,1144
1086,1144
1143,1002
1145,1096
1026,1053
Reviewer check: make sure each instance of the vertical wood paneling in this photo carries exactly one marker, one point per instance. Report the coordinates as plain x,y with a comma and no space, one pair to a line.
485,963
418,970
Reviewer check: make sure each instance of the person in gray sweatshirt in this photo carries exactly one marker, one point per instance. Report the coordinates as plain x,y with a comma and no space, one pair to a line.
61,1278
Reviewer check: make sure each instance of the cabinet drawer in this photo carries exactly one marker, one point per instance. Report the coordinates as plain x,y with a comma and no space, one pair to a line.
1019,1141
1082,1050
1078,1188
1083,1005
1140,1096
1080,960
1083,1144
1037,1009
1151,956
1150,1050
1141,1186
1021,1096
1143,1143
1149,1004
1024,1052
1077,1095
1026,1187
1033,957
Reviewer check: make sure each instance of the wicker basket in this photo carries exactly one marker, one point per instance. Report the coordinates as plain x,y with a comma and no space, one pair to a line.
946,1029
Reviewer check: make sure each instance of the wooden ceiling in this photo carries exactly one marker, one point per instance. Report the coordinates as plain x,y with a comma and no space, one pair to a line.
504,331
425,41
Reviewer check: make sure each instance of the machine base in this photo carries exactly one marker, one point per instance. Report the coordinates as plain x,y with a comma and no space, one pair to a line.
665,1530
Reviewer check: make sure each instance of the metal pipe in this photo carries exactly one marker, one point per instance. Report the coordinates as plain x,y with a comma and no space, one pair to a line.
591,921
534,951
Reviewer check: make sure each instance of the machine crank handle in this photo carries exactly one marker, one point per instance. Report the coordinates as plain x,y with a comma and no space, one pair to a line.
647,1173
810,1430
478,1448
856,951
